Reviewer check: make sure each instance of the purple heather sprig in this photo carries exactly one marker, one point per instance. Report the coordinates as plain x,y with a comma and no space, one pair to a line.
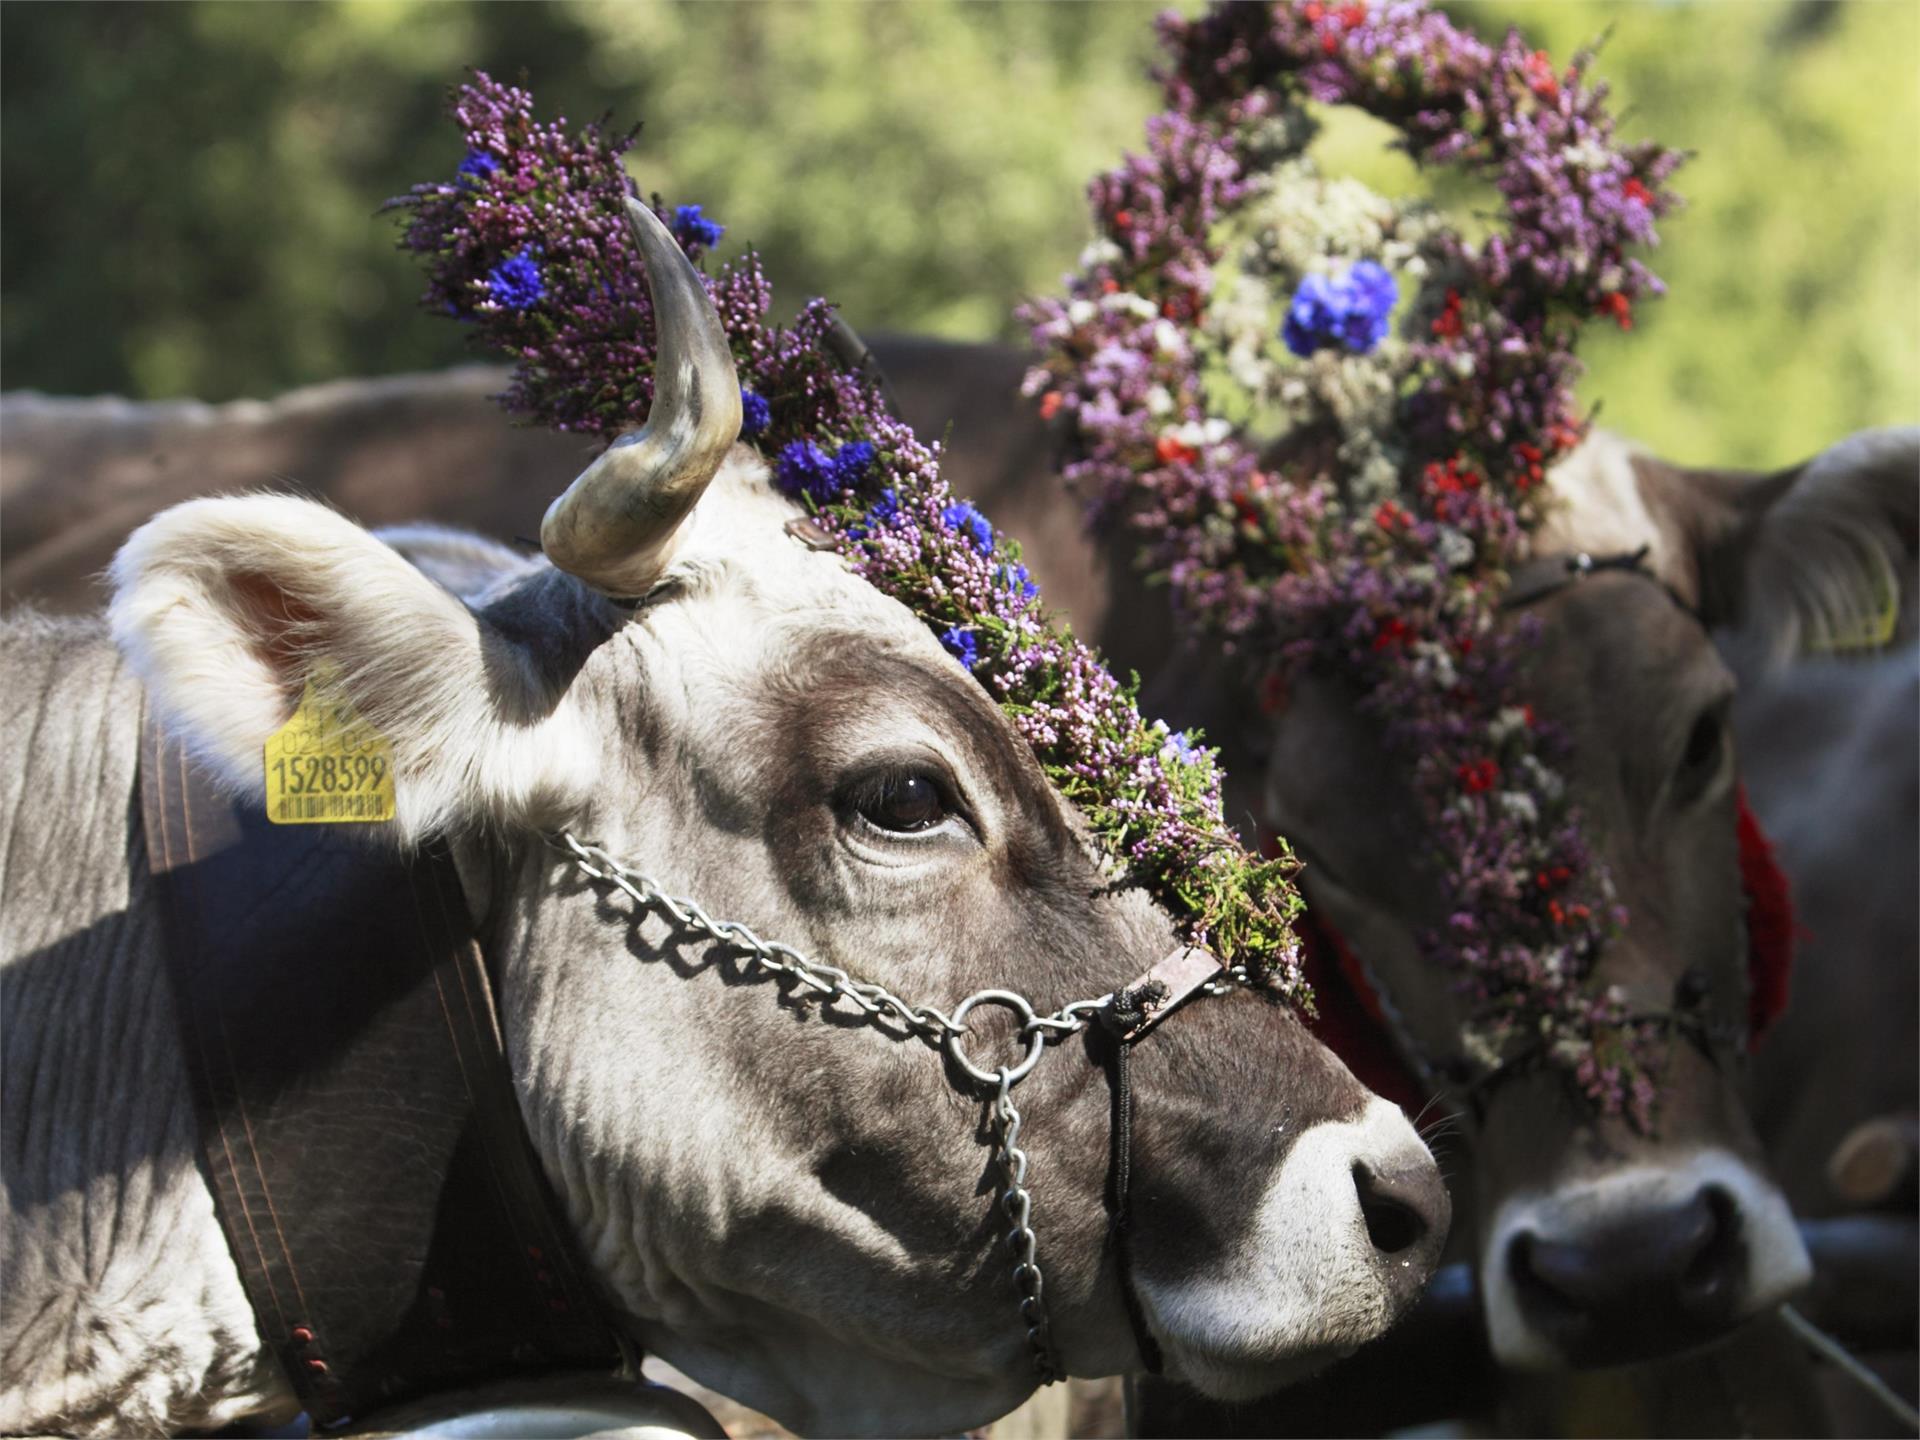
1271,553
580,329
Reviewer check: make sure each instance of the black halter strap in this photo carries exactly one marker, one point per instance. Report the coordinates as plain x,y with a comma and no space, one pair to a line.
1546,575
1120,1030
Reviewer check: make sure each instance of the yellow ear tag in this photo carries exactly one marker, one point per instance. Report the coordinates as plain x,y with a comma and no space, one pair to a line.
1873,630
326,765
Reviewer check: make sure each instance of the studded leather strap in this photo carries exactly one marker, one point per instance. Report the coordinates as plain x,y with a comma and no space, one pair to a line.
358,1125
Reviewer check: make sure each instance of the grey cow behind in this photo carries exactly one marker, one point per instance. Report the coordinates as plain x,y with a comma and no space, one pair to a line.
794,1210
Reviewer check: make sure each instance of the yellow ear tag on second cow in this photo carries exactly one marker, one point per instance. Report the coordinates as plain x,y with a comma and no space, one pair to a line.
326,765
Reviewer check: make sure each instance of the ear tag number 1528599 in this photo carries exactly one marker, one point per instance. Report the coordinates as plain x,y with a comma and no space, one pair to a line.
326,765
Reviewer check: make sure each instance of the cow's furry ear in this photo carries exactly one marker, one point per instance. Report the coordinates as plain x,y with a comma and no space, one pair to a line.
225,608
1819,556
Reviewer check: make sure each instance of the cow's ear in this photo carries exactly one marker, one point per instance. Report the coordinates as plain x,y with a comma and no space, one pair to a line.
227,608
1819,556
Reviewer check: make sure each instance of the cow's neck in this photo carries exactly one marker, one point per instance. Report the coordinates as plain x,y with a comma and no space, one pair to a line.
122,1309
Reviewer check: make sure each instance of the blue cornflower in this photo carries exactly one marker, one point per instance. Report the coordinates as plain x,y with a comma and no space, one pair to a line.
961,518
690,225
477,166
1015,578
851,462
803,468
516,282
755,413
1181,746
1352,310
963,645
880,513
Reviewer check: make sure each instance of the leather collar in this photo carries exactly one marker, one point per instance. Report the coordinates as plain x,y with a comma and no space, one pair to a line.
357,1120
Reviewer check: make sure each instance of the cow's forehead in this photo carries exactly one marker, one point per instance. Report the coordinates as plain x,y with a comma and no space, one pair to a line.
736,543
1624,669
1597,506
751,612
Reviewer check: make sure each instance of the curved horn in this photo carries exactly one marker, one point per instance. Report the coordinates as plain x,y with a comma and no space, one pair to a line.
614,526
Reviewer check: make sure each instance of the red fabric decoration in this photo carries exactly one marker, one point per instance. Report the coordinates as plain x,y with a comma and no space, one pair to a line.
1350,1024
1347,1017
1771,931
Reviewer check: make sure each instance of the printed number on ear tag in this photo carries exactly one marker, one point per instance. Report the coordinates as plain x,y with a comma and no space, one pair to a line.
326,765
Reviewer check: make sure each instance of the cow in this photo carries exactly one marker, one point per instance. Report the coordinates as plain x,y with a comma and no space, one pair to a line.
1595,1245
1000,452
788,1207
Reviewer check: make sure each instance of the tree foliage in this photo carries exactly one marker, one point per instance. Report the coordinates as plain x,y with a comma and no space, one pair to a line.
188,191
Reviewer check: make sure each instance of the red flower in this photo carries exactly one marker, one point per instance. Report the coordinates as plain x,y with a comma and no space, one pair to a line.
1393,631
1526,714
1618,306
1447,323
1353,14
1313,11
1478,775
1531,469
1451,478
1050,404
1171,450
1122,219
1109,285
1387,515
1634,190
1540,77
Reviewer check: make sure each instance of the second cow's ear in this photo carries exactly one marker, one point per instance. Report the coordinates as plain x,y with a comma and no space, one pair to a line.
1819,556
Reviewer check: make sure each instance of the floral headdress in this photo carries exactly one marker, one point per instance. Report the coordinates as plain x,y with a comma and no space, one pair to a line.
527,242
1327,418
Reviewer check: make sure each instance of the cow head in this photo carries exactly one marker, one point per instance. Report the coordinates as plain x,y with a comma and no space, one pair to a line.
791,1204
1597,1244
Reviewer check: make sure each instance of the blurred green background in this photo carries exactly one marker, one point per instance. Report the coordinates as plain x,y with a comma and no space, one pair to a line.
187,191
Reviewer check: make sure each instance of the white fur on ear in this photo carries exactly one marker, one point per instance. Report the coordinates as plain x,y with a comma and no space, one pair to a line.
223,607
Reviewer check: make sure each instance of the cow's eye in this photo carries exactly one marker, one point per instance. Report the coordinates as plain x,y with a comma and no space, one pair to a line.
901,802
1706,749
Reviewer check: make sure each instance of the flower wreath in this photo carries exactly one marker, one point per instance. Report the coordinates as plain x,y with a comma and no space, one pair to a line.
1324,480
528,244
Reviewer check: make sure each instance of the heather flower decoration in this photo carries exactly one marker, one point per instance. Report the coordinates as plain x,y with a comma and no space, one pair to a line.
580,329
1326,416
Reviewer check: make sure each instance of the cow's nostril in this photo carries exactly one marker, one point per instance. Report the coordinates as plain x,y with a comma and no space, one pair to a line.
1393,1224
1652,1281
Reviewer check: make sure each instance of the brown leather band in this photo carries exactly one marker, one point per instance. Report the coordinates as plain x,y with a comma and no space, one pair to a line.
358,1124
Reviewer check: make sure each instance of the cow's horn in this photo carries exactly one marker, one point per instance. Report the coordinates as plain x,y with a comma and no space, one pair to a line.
614,526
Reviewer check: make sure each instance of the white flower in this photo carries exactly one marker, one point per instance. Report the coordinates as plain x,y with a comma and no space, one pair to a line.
1589,154
1510,720
1196,434
1101,251
1433,664
1080,312
1456,550
1126,301
1519,804
1159,401
1167,338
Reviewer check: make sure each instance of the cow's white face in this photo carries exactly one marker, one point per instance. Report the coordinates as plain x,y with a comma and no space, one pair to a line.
791,1204
1596,1244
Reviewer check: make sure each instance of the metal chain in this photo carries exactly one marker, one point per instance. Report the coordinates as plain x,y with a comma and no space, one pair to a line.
924,1021
1018,1204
